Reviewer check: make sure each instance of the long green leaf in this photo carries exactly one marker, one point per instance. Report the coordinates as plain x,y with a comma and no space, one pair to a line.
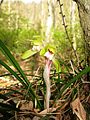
24,79
13,73
10,57
18,78
31,91
76,78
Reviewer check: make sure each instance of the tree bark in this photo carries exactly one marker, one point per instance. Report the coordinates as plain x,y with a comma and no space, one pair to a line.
50,23
72,21
84,14
1,1
9,12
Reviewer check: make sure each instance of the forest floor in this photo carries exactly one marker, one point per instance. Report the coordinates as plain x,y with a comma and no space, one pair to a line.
64,108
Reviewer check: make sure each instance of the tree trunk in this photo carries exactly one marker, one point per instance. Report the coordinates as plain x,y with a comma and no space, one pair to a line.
17,16
1,1
9,12
50,20
43,15
84,14
72,21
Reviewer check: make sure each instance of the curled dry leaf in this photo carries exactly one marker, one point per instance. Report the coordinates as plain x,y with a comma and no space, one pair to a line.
26,105
78,109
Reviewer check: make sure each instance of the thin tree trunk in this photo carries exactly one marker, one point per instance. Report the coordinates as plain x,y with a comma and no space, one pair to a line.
1,1
84,14
9,11
50,21
17,15
43,16
73,7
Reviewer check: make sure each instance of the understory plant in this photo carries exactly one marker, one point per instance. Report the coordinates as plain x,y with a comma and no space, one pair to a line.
64,84
22,78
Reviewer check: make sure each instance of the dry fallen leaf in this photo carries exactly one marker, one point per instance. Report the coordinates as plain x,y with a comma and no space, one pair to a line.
26,105
44,112
36,118
78,109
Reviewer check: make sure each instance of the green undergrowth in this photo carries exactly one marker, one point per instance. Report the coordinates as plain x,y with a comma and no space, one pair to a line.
66,85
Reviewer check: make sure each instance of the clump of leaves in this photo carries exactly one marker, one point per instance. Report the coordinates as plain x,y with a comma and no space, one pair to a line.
22,77
64,85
